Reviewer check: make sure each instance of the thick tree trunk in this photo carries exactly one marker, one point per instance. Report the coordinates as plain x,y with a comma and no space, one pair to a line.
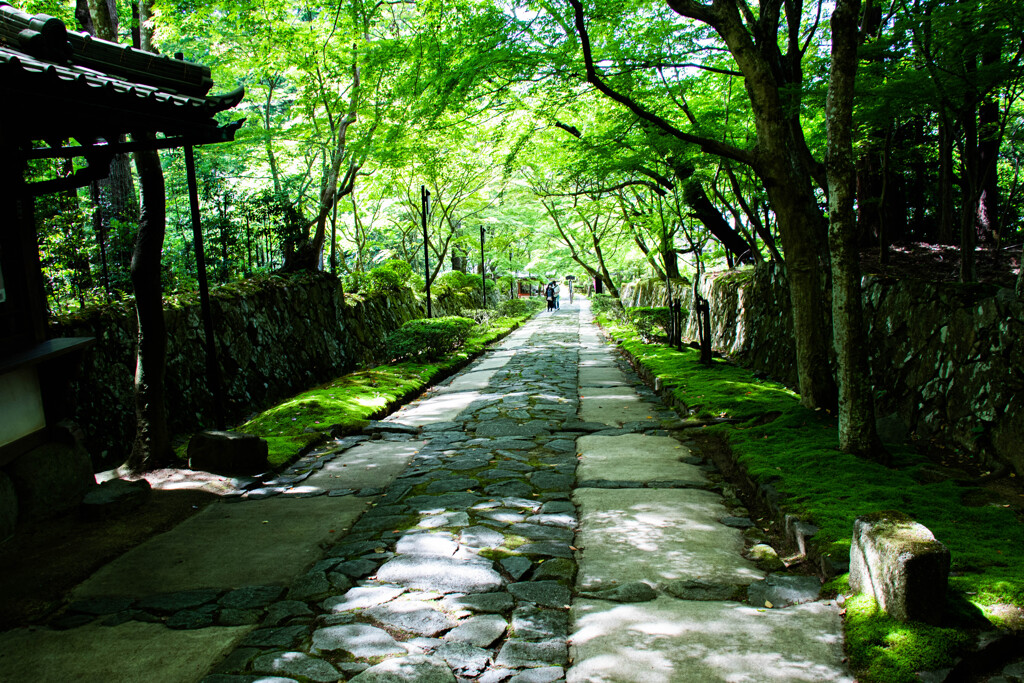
799,220
784,165
856,404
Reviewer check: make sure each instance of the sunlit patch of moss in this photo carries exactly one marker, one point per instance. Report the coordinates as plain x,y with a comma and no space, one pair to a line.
888,651
496,554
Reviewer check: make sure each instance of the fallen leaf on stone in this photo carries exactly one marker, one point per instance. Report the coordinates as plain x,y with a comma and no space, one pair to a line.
768,604
266,521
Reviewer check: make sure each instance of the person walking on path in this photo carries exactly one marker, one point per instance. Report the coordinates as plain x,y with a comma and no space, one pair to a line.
549,294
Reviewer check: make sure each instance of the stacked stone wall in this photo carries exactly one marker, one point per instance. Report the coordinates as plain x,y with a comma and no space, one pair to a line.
946,359
276,337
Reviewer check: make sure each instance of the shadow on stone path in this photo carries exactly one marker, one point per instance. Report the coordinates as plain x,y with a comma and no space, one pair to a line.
527,521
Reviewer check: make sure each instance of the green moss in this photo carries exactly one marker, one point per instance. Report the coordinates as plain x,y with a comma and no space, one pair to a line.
496,554
796,451
346,404
885,650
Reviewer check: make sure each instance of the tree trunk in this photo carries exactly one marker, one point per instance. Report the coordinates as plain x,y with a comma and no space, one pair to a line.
709,215
152,446
783,163
969,196
915,196
987,224
945,190
856,405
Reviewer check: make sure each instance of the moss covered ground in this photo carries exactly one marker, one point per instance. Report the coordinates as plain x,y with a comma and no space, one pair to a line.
347,403
796,450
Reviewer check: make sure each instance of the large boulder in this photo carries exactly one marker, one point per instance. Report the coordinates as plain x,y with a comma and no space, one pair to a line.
901,564
8,507
51,479
227,453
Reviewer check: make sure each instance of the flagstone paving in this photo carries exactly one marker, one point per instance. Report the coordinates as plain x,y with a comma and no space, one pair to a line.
528,521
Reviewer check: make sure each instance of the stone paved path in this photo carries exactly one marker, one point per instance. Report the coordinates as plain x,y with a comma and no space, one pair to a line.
529,521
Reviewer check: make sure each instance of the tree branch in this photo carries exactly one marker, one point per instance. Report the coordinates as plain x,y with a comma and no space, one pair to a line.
706,145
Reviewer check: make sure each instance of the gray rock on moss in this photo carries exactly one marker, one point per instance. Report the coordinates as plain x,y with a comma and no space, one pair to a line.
781,590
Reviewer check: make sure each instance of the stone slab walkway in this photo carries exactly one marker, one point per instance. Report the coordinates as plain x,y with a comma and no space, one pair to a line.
528,521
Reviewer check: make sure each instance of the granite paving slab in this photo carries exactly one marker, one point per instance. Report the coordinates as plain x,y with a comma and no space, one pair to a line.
614,406
669,640
127,653
675,531
228,546
635,457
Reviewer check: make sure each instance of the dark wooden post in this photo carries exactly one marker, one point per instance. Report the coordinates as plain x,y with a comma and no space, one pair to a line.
212,366
425,203
483,273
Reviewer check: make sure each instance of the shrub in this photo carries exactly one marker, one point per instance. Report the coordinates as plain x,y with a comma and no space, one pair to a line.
389,277
429,337
456,279
517,308
607,305
504,285
480,315
355,282
646,318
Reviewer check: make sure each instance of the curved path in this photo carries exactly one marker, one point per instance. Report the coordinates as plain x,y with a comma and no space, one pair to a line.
529,520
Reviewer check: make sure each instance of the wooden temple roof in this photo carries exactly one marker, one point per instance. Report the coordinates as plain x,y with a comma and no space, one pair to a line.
57,84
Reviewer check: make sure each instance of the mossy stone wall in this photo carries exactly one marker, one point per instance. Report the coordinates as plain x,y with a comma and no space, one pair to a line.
946,359
276,336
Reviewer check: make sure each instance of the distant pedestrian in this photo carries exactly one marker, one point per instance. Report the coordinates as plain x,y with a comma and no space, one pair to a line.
550,293
558,296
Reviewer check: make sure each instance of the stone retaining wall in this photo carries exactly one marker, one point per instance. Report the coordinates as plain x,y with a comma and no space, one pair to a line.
276,336
947,359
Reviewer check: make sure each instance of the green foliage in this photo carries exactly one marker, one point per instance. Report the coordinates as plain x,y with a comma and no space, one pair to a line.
607,306
516,308
889,651
456,280
389,277
429,338
480,315
646,318
356,282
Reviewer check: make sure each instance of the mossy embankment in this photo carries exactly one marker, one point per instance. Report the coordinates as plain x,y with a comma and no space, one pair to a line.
777,441
345,404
